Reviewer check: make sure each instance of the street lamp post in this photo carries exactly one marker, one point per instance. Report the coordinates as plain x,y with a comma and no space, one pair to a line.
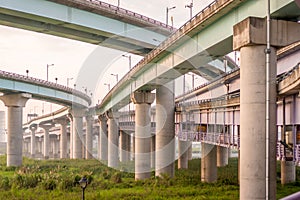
167,13
190,6
48,65
108,86
116,75
56,80
27,71
129,59
85,89
68,80
193,79
83,184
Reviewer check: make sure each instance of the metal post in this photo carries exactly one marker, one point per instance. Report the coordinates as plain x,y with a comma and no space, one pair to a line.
83,193
190,6
68,79
267,52
48,70
167,13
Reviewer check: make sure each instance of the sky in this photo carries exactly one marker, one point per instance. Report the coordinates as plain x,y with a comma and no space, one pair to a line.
22,50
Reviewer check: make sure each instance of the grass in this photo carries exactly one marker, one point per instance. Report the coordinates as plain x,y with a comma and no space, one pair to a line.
58,179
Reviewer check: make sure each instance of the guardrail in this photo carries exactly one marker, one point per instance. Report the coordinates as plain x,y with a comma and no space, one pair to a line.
130,13
41,82
285,75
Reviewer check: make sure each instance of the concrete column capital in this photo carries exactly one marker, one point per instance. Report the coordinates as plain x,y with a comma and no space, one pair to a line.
33,127
142,97
112,114
253,31
46,127
89,117
78,112
62,121
15,100
102,117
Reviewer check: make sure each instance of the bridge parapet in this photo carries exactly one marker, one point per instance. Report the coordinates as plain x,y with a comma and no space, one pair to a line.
116,12
41,82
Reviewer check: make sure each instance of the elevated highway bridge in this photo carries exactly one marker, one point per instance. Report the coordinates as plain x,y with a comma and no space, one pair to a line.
234,25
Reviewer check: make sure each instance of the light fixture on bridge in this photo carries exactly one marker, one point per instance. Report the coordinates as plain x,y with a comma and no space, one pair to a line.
116,75
167,13
85,89
68,80
190,6
48,65
108,86
56,80
27,71
129,59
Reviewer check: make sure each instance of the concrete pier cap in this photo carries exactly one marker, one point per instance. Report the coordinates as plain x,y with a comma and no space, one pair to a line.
253,31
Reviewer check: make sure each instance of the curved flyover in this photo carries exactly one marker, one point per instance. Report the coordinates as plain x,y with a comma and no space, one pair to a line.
11,83
16,90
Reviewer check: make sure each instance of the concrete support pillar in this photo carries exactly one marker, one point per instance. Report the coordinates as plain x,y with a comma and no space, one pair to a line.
103,139
255,160
33,129
77,137
63,140
208,163
128,145
288,172
15,104
83,147
124,157
89,138
63,143
190,150
153,152
55,147
253,123
142,101
222,156
183,154
113,139
165,130
69,116
133,146
77,115
46,128
258,164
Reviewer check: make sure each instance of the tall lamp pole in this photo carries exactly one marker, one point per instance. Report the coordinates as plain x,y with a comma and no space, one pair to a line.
116,75
167,13
190,6
129,59
48,65
68,80
108,86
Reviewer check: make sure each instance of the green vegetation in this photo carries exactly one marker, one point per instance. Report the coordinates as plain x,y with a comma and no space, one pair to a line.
58,179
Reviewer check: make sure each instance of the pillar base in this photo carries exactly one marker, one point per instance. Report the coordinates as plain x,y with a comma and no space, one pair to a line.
288,172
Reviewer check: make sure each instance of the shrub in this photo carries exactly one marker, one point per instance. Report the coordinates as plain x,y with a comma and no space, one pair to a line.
49,184
5,184
116,177
66,184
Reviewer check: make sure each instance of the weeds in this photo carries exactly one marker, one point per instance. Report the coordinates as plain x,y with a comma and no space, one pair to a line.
58,179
